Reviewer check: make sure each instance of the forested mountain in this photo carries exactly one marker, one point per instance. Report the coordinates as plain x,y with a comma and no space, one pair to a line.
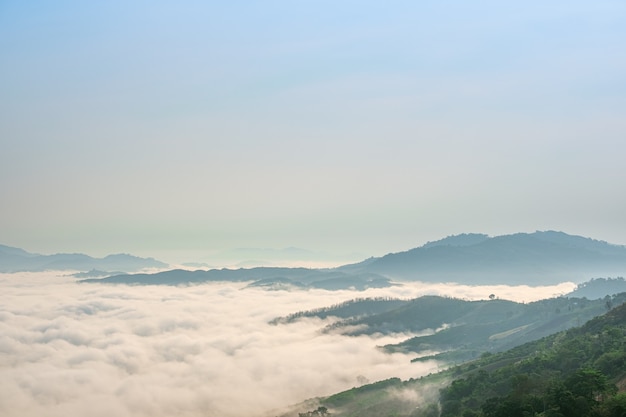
580,372
455,330
18,260
352,309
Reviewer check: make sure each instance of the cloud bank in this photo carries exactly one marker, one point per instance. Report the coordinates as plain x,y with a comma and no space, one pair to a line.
71,349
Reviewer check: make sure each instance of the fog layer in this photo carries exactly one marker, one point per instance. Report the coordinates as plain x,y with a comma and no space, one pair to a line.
71,349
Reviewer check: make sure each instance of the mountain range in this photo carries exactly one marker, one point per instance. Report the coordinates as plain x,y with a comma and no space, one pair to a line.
522,258
270,278
18,260
457,330
539,258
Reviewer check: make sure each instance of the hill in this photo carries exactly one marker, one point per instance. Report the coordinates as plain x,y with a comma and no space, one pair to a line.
599,288
454,330
262,277
580,372
18,260
524,258
539,258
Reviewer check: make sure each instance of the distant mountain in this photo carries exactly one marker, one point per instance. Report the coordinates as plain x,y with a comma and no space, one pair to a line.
465,239
19,260
539,258
599,288
263,277
94,273
524,258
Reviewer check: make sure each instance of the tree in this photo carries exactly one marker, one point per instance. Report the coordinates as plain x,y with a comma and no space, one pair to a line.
320,411
588,383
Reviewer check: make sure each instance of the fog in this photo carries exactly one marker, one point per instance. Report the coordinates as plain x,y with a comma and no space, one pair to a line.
69,349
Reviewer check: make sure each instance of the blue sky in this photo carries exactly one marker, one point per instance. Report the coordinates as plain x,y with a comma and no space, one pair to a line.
167,129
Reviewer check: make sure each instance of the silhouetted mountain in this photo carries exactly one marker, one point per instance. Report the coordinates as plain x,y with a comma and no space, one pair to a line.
535,258
464,239
538,258
264,277
94,273
18,260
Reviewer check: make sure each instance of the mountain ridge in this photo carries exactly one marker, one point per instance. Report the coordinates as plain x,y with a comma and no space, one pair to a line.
525,258
19,260
539,258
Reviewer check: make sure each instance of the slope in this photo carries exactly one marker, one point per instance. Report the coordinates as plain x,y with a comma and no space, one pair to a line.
576,372
454,330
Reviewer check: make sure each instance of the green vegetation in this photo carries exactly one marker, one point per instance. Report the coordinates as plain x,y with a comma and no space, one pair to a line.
358,307
319,411
458,330
574,373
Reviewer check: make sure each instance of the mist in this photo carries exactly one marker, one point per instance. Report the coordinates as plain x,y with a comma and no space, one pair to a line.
203,350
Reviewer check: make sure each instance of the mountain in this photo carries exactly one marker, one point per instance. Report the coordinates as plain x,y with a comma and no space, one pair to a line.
599,288
350,309
539,258
454,330
263,277
464,239
579,372
524,258
19,260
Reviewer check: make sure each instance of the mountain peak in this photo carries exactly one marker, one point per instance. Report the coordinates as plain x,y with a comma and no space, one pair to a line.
464,239
520,258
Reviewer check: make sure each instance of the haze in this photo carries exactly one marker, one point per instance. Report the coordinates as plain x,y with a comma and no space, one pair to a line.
180,130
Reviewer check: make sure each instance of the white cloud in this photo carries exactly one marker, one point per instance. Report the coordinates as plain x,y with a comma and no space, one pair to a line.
68,349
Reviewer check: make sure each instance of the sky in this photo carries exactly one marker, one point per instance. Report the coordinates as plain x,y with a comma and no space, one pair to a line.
204,350
181,130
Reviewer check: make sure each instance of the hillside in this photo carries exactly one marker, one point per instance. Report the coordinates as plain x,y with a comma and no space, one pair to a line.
579,372
599,288
454,330
19,260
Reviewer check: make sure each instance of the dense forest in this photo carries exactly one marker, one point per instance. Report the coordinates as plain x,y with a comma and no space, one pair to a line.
454,330
574,373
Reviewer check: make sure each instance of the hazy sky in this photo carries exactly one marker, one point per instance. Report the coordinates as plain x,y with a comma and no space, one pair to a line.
157,127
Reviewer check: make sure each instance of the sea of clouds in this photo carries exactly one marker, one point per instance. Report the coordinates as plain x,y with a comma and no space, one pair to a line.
70,349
